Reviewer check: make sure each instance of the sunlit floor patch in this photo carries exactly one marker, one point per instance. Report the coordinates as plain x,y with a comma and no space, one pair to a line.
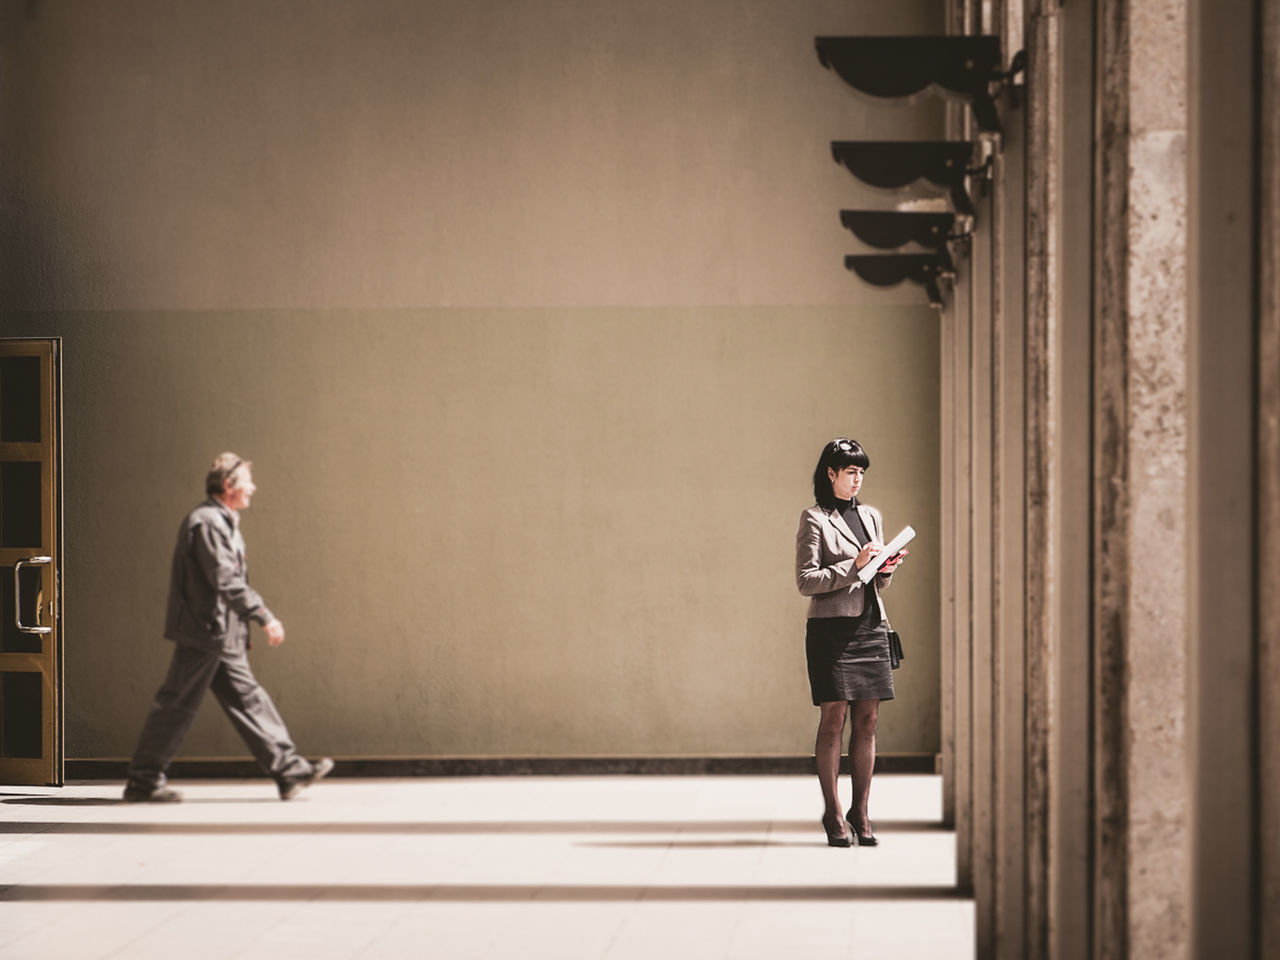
487,867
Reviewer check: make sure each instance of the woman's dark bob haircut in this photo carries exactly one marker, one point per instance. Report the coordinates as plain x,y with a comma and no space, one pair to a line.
836,455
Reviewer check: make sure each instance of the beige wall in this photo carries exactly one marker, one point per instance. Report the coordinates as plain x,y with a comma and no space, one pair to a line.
533,319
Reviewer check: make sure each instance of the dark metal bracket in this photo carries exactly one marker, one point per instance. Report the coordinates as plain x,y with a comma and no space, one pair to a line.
891,229
892,165
966,67
887,270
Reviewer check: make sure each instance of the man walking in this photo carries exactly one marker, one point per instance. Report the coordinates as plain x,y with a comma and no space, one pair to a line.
210,606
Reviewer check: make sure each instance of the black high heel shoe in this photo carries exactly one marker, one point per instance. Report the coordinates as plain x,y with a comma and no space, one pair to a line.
840,839
864,839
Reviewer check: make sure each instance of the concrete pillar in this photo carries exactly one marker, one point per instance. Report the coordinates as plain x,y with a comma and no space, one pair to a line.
1268,459
956,585
989,527
1141,435
992,552
979,560
1140,535
1106,801
1152,431
1108,534
1234,457
960,488
1059,437
1064,925
1042,204
1008,576
957,759
947,541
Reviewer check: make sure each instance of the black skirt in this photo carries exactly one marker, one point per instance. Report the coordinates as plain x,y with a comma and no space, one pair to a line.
848,659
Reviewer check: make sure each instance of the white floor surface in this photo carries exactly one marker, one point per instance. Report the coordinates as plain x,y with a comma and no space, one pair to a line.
654,868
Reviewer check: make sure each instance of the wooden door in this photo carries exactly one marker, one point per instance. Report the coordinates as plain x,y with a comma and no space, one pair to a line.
31,708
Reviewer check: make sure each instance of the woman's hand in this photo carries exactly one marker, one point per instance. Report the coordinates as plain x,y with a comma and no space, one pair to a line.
866,553
892,563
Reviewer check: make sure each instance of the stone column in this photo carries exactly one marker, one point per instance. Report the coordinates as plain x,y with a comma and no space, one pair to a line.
946,540
1008,577
1269,481
991,531
999,517
993,555
960,497
1157,616
1140,425
1107,549
1065,929
1106,805
958,770
1060,226
980,572
1043,128
1235,479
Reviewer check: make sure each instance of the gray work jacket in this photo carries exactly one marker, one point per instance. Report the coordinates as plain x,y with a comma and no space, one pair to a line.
826,551
210,600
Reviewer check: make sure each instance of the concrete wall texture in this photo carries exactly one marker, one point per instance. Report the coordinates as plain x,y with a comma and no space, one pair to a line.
533,320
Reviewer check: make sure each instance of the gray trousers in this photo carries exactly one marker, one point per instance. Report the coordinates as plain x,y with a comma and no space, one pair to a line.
192,671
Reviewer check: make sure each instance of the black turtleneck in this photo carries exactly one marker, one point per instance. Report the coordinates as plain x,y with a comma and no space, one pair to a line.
849,510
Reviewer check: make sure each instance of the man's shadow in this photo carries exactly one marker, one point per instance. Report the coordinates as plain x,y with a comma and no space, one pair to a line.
37,801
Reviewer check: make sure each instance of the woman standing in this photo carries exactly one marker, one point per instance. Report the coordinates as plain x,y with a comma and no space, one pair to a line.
846,639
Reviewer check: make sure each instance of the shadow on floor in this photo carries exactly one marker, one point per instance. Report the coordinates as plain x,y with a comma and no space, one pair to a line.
696,844
269,797
666,827
467,893
66,801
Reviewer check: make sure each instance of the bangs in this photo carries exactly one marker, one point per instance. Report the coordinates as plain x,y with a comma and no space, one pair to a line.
857,457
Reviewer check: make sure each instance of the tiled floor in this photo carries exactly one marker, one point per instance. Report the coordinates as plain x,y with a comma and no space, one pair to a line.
658,868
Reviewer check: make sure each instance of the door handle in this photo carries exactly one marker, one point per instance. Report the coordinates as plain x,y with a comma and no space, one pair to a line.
17,594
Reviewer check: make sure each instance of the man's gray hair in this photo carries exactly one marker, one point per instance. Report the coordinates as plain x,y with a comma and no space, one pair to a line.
221,470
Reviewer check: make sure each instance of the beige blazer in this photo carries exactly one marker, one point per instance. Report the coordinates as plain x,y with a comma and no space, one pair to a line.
825,554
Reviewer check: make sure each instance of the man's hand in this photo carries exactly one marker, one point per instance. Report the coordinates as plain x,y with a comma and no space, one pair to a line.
275,633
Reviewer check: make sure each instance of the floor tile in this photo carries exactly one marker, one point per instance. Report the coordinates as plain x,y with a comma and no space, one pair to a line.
485,868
